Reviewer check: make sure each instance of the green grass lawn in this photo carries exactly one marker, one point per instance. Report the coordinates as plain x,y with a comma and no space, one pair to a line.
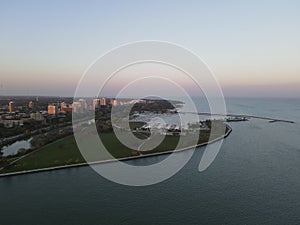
65,151
61,152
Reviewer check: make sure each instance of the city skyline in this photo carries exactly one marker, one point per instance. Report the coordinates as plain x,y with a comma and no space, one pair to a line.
251,48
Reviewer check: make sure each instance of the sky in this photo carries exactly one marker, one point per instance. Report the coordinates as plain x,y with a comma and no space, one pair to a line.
252,47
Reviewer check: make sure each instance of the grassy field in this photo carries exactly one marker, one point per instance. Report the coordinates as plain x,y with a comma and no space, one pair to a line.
61,152
65,151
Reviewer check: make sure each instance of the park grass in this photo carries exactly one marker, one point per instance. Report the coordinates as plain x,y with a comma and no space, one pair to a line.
65,151
61,152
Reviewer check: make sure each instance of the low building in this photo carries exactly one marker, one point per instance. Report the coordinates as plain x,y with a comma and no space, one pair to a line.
11,123
37,116
65,107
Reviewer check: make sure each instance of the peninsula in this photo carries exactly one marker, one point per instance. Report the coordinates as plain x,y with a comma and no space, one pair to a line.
58,149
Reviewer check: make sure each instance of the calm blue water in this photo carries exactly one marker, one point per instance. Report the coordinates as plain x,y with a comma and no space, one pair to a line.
255,179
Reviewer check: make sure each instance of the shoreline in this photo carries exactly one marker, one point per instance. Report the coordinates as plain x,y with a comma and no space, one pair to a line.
114,160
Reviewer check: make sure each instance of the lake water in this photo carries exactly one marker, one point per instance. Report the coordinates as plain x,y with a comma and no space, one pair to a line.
14,148
255,179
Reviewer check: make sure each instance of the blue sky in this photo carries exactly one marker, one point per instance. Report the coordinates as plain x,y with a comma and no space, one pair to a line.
251,46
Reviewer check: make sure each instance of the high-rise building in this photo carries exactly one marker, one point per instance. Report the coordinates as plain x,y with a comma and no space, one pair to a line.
96,103
113,101
11,106
83,103
52,109
30,105
76,107
103,101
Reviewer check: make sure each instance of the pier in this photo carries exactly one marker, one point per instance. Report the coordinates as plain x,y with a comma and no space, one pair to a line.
271,120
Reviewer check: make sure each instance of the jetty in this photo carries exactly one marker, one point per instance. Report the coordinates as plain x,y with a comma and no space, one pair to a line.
244,116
